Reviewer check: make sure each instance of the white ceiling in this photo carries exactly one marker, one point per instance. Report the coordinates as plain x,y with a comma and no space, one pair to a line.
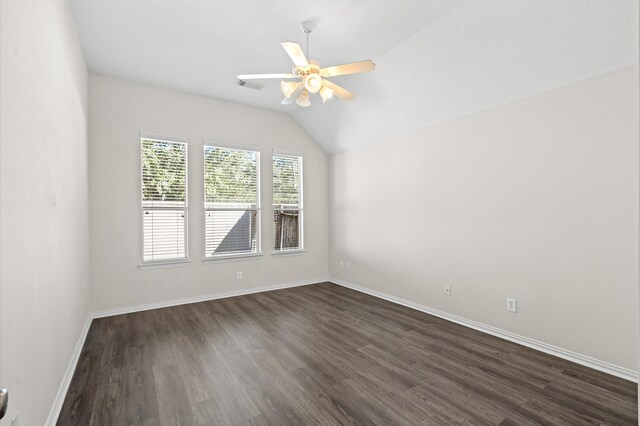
436,59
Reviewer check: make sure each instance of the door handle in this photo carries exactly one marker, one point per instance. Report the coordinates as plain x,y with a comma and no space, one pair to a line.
4,401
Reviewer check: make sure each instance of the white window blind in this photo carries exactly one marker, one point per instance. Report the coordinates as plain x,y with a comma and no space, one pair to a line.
287,201
231,201
164,199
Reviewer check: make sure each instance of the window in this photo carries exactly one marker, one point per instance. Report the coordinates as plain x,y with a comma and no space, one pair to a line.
287,201
164,198
231,201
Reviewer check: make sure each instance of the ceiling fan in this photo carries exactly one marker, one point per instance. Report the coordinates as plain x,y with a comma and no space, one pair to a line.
310,77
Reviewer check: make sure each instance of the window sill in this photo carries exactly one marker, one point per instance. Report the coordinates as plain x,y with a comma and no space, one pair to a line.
164,264
293,252
232,257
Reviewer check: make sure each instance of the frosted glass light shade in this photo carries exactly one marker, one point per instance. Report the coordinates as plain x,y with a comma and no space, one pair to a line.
303,99
326,93
288,87
313,83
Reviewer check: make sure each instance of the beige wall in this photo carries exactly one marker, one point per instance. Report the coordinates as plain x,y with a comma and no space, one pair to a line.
44,202
119,110
536,200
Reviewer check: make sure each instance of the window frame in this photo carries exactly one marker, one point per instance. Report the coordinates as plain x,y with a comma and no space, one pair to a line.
301,246
212,143
178,261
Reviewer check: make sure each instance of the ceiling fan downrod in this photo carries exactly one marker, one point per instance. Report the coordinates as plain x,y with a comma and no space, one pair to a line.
307,27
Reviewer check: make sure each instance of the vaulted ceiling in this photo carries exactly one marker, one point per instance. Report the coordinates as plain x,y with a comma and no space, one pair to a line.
436,59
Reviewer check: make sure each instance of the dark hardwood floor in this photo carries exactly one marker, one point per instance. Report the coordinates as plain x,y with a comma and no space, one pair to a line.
323,354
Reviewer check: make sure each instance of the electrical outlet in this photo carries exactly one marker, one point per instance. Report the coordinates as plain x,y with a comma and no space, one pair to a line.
512,305
239,275
347,266
447,289
341,264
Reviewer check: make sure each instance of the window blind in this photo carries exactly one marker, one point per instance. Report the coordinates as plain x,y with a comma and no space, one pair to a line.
287,201
164,199
232,202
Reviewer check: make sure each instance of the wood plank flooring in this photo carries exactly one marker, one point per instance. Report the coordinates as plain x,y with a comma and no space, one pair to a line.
323,354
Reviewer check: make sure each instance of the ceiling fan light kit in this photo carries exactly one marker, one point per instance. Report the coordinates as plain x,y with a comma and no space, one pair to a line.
311,77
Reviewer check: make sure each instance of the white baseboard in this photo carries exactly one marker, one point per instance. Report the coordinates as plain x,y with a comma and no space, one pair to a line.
68,375
525,341
587,361
195,299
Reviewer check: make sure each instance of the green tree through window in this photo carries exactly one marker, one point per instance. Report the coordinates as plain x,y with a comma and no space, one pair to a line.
163,170
229,175
286,180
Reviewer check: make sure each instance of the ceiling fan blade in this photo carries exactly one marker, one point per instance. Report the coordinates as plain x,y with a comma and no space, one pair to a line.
295,53
264,76
338,91
353,68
